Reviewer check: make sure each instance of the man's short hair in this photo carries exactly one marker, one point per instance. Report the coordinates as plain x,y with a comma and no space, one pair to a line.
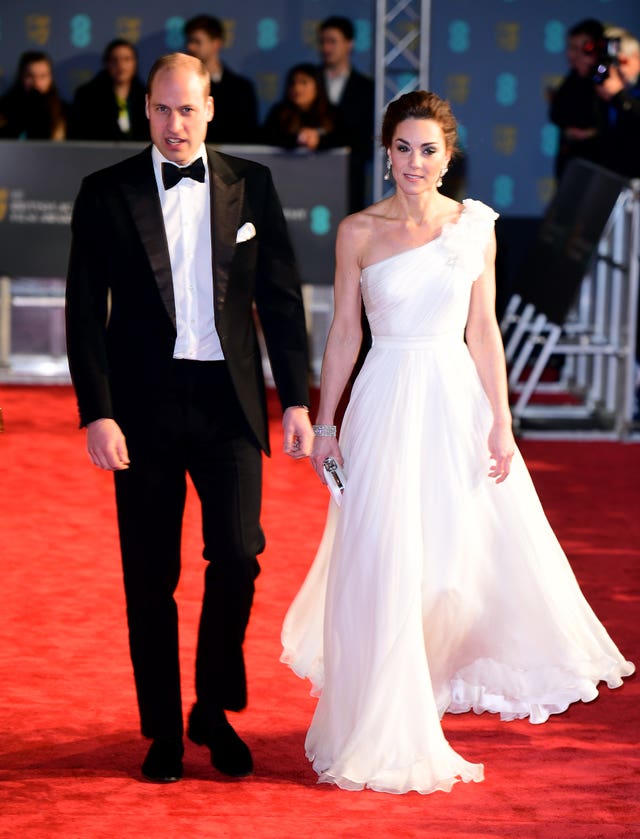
590,27
343,24
205,23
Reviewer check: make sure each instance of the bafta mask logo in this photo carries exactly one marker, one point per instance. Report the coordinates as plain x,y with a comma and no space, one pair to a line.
38,28
310,32
457,87
408,32
229,32
508,35
550,82
505,139
4,203
268,86
129,28
546,190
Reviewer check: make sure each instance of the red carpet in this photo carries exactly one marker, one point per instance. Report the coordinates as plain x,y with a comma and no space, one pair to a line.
71,750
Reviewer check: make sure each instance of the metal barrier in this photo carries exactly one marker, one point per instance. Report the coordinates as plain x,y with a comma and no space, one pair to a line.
592,353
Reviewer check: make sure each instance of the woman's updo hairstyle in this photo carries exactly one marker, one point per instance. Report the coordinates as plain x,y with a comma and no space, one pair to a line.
420,104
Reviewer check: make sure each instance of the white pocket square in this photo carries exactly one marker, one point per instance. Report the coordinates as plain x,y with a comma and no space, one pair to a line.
246,232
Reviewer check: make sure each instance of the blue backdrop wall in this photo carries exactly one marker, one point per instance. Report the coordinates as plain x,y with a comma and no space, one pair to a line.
494,60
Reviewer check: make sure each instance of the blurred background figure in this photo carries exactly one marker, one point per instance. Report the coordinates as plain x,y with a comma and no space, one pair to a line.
304,118
32,108
351,93
235,105
112,105
620,90
575,106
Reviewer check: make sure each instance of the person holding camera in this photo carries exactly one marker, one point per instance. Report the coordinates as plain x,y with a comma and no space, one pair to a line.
620,90
575,106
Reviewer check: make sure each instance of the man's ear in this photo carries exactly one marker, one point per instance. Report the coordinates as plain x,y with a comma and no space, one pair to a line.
146,105
210,108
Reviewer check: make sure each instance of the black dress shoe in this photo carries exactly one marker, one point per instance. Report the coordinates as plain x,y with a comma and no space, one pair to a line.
163,763
229,754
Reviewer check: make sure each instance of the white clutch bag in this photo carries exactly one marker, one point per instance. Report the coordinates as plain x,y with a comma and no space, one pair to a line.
335,478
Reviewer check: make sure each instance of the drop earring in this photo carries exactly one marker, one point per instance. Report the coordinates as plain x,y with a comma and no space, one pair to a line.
387,171
443,172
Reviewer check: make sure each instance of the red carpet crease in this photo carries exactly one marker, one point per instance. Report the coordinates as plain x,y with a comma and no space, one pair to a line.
71,749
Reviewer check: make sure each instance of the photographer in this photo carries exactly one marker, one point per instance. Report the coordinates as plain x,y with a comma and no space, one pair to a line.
620,91
574,106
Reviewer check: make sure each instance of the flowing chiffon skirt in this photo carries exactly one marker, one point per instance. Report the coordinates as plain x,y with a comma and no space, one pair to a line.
434,589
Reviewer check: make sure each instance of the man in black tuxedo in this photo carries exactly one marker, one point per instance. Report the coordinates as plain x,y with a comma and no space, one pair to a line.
170,250
352,93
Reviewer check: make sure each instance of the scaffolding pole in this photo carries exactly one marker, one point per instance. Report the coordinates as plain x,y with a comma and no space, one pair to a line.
401,61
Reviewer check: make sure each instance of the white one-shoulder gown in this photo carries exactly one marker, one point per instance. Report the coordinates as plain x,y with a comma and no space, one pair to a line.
434,589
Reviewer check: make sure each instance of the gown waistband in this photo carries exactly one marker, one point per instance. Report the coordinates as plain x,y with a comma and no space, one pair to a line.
417,342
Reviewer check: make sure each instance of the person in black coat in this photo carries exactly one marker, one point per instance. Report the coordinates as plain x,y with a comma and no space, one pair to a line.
32,108
620,91
352,94
575,107
171,249
235,104
111,105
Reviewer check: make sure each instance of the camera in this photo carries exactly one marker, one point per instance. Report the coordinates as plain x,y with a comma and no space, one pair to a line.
605,52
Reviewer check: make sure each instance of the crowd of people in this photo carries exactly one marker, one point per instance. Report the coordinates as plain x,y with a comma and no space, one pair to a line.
322,106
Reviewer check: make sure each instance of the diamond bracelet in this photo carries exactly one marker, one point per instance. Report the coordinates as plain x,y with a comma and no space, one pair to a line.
324,430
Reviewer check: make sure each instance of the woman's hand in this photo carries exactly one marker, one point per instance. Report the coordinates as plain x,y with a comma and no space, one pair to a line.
324,447
501,449
309,137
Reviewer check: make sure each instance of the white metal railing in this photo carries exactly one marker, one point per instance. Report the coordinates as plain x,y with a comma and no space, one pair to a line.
594,351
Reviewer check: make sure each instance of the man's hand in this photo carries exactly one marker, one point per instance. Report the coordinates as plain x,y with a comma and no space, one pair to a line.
106,445
298,433
613,84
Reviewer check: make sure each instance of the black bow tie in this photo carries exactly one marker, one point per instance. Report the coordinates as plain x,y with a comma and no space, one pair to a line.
171,175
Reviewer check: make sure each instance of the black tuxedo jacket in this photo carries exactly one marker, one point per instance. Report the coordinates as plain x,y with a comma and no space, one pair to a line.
121,321
356,107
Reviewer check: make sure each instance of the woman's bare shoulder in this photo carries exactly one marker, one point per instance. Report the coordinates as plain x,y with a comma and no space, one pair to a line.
365,223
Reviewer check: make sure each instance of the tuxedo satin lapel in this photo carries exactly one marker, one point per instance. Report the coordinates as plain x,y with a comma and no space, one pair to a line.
227,196
147,216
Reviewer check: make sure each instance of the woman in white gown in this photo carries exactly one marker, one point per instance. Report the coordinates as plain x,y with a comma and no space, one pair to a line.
437,585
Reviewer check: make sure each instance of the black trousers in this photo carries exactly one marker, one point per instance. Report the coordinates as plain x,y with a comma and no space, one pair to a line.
198,429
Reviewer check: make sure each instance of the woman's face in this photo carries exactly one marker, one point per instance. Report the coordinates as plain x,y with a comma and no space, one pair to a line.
418,154
37,76
121,64
303,91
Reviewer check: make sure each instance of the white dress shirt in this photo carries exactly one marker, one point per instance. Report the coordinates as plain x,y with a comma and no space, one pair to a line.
186,209
335,86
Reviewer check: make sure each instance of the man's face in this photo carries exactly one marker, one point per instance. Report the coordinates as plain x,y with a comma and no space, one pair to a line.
334,47
122,64
629,66
179,111
203,47
581,54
